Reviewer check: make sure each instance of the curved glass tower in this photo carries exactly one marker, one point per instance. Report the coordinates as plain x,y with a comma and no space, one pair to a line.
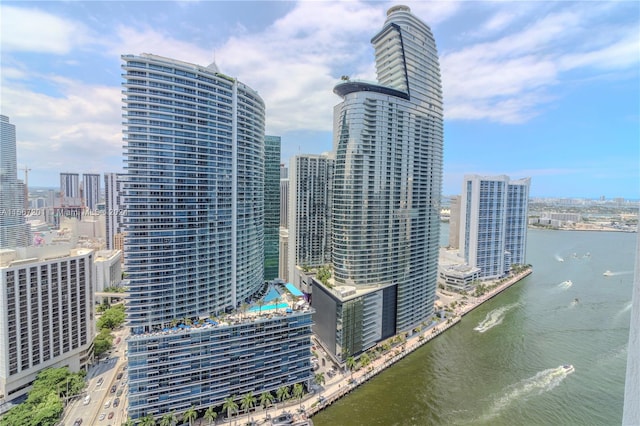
388,171
194,194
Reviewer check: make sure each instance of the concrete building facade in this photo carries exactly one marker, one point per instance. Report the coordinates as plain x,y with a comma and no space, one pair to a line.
46,315
493,223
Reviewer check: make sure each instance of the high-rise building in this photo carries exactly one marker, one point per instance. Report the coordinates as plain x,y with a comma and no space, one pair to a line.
388,138
284,172
271,206
70,190
309,212
113,206
194,246
46,313
454,223
284,202
14,231
493,223
91,191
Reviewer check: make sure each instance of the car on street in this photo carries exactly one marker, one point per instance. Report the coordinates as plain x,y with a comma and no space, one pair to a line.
116,402
119,392
119,376
102,416
110,416
282,419
113,389
100,381
78,422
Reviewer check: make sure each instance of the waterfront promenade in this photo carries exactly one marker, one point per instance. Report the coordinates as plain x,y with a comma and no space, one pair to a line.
346,382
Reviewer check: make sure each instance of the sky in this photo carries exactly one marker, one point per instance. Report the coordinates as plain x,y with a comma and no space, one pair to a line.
547,90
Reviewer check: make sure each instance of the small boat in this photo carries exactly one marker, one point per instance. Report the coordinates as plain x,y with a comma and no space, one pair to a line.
568,368
576,300
607,273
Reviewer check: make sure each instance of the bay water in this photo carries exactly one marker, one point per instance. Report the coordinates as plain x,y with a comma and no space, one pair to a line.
503,364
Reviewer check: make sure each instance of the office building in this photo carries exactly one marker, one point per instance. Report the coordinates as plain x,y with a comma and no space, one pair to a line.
114,212
46,314
194,246
14,232
91,191
388,141
309,229
271,206
70,190
284,203
454,223
493,223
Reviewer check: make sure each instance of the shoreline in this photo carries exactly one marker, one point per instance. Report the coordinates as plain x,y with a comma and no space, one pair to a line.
346,382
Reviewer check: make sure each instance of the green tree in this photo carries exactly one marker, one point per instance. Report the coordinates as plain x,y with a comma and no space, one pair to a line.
248,402
230,406
190,415
111,318
365,359
298,392
282,393
266,399
351,364
210,415
168,419
147,420
128,422
319,378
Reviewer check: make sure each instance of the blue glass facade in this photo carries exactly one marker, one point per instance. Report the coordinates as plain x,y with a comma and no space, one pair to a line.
194,247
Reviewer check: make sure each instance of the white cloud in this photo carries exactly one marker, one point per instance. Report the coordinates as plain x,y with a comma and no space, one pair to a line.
510,79
63,133
32,30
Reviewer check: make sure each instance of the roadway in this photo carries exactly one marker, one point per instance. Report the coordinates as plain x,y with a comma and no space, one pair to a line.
107,370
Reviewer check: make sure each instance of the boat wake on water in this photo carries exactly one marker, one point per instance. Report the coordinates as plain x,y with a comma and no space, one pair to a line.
493,318
565,284
542,382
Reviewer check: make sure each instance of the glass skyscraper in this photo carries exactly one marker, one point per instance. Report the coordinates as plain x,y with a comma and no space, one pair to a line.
14,232
271,206
493,223
388,171
194,246
194,141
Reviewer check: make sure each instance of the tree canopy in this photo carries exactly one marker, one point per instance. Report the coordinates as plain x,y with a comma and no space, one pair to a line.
44,405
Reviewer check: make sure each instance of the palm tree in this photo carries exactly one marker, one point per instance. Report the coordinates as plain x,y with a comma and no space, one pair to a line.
260,305
277,301
230,405
147,420
319,378
243,309
128,422
365,359
248,402
282,393
210,415
266,399
168,419
298,392
190,415
351,364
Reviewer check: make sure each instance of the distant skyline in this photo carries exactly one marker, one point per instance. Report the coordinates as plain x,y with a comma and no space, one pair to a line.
547,90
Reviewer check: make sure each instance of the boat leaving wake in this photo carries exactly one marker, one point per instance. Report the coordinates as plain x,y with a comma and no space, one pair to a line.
559,259
565,284
542,382
494,318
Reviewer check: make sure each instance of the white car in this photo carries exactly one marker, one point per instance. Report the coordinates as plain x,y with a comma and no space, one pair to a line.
102,416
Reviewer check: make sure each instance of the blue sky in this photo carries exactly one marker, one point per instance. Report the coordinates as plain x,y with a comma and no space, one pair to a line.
547,90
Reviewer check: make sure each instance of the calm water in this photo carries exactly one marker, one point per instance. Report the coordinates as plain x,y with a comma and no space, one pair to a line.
508,371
